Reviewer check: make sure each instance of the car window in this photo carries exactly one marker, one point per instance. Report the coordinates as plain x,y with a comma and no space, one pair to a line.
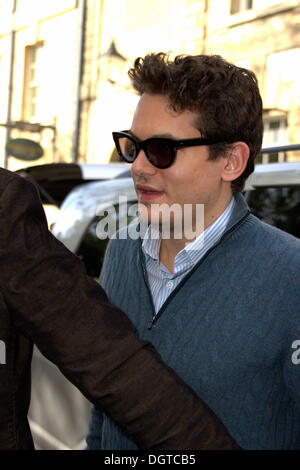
278,206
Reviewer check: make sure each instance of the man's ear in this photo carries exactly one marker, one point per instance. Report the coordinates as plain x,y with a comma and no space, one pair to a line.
235,161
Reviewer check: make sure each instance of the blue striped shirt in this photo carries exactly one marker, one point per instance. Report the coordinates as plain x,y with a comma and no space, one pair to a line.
161,281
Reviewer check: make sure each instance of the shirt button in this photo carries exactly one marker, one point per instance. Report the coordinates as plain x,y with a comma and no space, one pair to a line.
170,284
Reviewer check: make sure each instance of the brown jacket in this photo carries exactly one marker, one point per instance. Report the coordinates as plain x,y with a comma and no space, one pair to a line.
46,298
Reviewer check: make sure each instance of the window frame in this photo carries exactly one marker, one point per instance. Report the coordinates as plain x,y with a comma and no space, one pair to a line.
31,83
268,141
240,6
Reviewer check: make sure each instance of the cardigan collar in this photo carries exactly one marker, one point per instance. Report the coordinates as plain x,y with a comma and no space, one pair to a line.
240,210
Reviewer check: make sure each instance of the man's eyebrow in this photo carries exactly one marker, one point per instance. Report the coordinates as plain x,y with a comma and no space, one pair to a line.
155,136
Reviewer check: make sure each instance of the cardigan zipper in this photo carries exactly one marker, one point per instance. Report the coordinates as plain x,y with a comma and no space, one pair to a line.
153,318
151,322
157,315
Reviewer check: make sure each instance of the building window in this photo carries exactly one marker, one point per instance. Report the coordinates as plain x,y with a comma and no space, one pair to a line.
237,6
32,81
275,134
241,6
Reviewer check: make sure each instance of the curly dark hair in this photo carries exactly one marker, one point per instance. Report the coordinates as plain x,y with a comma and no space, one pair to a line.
225,98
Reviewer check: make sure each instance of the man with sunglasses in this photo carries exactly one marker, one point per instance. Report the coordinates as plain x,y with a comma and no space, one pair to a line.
46,298
222,306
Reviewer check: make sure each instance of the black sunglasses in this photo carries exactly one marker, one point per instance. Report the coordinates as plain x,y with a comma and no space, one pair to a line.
160,151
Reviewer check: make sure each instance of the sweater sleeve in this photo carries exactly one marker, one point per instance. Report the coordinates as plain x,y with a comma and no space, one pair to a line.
93,343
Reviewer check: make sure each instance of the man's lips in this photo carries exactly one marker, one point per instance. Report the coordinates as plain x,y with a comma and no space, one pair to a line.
147,193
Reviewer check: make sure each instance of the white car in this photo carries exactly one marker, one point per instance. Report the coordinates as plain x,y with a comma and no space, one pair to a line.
55,180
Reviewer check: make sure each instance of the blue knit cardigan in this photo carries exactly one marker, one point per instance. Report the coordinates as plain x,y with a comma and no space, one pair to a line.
231,330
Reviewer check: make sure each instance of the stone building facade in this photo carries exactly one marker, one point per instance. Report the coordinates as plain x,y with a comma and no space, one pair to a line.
263,35
38,80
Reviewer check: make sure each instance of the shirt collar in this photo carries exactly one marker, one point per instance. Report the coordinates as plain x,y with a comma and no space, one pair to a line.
151,242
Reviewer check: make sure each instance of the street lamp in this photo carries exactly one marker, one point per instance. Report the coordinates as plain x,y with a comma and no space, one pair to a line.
112,64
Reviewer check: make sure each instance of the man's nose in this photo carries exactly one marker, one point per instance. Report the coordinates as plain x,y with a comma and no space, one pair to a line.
141,165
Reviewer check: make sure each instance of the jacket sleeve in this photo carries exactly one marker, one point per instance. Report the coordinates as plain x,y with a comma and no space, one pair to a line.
68,316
